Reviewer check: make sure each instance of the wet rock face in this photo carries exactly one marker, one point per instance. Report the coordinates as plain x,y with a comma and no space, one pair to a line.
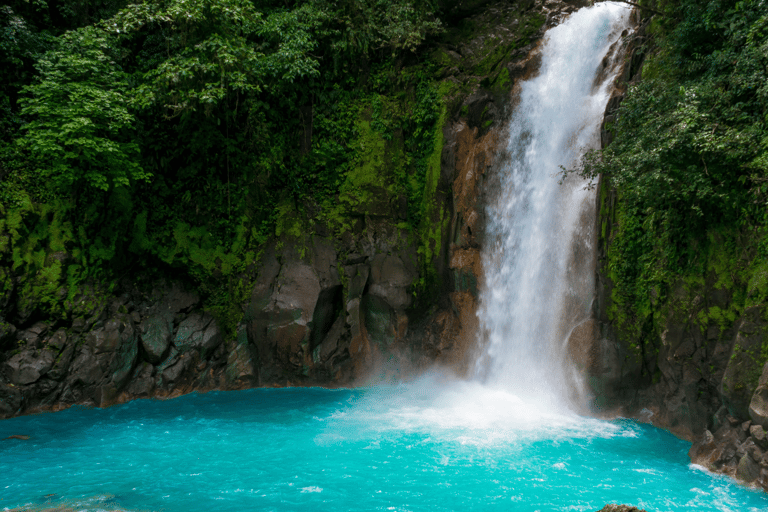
321,319
113,360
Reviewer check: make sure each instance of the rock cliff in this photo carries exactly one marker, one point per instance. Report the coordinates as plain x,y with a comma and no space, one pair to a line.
324,309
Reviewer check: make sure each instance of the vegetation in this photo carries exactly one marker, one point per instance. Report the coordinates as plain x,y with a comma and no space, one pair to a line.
183,134
690,164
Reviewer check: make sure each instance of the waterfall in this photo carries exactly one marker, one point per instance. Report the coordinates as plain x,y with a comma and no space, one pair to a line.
538,251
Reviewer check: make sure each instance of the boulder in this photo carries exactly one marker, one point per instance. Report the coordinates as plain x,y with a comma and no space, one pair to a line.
57,340
10,400
28,366
123,357
85,369
300,310
34,335
758,435
107,357
156,336
198,332
748,470
174,371
61,366
390,280
331,345
142,382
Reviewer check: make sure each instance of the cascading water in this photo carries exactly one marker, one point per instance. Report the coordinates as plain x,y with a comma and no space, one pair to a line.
538,260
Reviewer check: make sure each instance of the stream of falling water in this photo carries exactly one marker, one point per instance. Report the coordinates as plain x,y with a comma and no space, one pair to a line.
539,256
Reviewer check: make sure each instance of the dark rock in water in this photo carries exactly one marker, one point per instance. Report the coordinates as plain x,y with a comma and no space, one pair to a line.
620,508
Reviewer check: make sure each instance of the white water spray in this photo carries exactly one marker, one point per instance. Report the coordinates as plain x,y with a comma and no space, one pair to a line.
538,259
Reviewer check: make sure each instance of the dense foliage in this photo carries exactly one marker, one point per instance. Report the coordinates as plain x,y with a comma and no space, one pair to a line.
185,133
690,159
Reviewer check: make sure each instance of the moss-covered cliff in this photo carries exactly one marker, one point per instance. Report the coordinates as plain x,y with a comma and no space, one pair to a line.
682,283
245,193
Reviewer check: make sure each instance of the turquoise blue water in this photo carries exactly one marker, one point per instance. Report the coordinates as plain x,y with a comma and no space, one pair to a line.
432,445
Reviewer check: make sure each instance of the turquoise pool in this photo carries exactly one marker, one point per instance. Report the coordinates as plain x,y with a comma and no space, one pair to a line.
432,445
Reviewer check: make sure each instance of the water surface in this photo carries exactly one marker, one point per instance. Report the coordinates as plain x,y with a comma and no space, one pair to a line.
432,445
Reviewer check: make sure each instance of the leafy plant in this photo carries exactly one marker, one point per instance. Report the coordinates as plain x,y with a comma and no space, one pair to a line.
80,132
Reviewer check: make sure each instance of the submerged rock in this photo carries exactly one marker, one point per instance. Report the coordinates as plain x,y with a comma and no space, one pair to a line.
620,508
19,437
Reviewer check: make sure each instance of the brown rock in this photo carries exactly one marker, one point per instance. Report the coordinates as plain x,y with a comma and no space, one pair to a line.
748,470
758,435
19,437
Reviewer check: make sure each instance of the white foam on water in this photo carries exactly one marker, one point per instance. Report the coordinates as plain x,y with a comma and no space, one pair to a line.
465,412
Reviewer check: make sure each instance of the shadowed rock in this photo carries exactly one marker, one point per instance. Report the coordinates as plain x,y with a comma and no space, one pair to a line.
156,337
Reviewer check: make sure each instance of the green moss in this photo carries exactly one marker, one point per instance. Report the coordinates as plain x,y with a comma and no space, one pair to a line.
502,82
757,284
434,219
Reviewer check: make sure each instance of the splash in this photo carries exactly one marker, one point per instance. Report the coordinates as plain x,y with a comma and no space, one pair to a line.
539,256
